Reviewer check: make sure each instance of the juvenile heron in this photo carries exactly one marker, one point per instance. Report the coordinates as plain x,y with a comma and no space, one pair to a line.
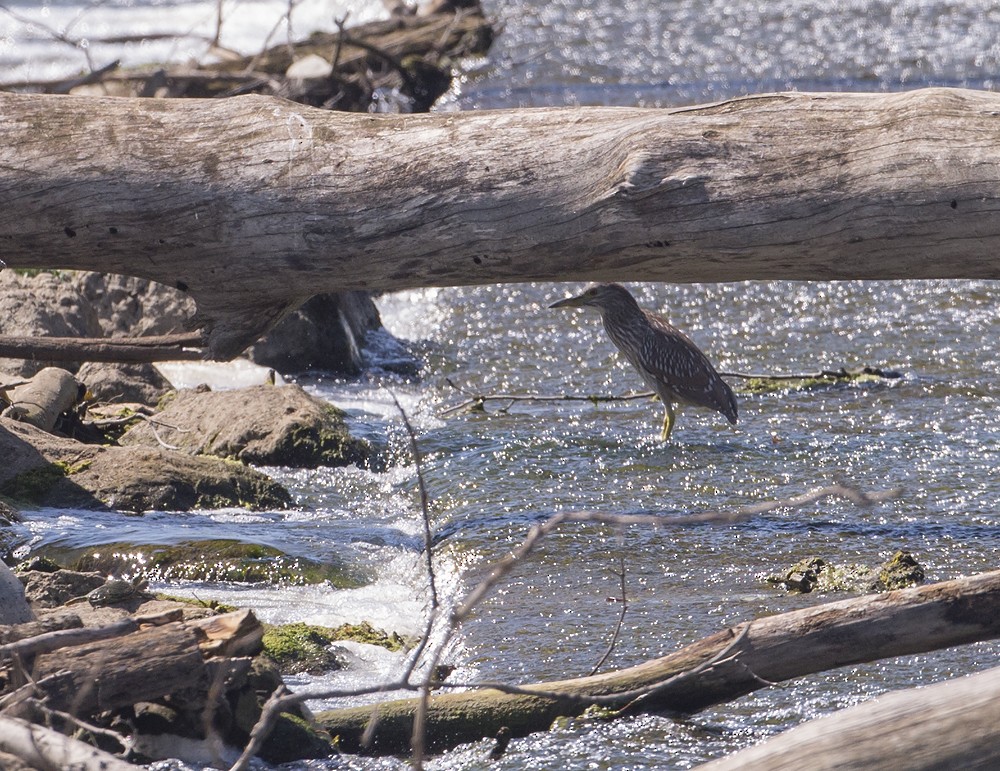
668,360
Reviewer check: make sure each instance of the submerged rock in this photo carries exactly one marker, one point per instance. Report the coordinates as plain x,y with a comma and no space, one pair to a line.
45,470
212,560
266,425
814,574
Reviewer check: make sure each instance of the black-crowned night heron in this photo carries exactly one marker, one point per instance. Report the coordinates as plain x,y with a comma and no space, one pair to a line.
668,360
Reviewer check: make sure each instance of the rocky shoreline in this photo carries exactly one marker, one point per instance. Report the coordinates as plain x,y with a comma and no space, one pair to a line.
120,437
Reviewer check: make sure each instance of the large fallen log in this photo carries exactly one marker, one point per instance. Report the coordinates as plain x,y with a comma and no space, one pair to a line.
110,674
253,204
951,725
716,669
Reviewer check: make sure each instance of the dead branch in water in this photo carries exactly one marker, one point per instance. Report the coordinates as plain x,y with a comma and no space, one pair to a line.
477,401
378,724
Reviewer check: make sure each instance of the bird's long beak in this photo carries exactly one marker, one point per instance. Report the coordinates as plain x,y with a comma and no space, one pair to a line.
569,302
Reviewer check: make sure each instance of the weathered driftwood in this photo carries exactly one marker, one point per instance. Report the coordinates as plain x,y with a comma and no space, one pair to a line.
951,725
231,634
44,398
253,204
46,749
83,674
47,642
128,350
118,672
411,54
713,670
12,632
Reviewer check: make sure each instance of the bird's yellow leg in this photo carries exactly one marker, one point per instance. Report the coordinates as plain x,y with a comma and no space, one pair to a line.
669,416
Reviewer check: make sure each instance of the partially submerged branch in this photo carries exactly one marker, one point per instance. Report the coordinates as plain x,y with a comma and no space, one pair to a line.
476,402
401,729
716,669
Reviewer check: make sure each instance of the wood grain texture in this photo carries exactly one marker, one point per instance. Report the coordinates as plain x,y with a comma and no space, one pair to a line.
951,725
253,204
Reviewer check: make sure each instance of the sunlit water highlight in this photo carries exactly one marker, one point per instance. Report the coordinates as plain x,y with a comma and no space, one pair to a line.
935,432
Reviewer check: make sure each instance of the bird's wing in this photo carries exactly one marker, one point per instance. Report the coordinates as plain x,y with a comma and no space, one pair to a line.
671,357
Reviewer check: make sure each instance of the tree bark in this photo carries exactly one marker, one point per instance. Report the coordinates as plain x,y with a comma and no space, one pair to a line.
48,750
716,669
121,350
45,397
951,725
253,204
121,671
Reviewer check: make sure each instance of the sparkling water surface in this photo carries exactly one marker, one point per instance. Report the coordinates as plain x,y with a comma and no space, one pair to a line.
934,432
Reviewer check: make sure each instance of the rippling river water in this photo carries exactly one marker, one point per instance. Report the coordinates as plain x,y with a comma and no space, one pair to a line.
935,432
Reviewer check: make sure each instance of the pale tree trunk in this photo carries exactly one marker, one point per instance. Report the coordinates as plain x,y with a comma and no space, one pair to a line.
49,750
951,725
253,204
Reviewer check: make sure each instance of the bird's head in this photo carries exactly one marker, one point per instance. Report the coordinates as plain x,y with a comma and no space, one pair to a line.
600,296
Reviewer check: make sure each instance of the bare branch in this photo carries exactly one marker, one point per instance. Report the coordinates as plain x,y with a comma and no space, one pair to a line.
477,401
623,599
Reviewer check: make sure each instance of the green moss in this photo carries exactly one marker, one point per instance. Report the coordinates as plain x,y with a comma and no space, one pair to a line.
300,648
826,380
303,647
902,570
73,468
293,738
218,560
814,574
165,400
366,633
311,446
33,485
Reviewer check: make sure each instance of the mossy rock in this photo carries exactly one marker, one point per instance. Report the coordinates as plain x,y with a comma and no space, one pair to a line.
826,380
33,485
218,560
300,647
902,570
303,647
262,425
48,470
814,574
293,738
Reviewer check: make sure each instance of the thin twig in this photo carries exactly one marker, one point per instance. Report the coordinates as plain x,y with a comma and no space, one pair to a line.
341,24
419,722
84,725
621,616
477,401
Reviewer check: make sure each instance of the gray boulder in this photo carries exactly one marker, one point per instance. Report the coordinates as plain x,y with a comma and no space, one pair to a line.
266,425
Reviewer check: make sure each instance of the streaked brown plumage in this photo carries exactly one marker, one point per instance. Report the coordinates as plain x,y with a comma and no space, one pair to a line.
668,360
